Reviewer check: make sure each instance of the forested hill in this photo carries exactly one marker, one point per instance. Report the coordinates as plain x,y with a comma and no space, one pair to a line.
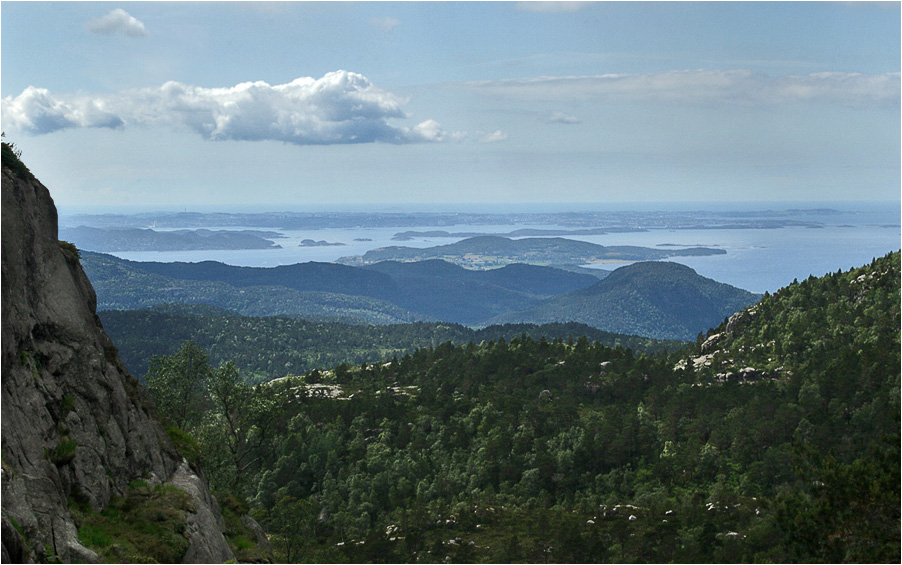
658,299
378,294
272,347
773,439
843,324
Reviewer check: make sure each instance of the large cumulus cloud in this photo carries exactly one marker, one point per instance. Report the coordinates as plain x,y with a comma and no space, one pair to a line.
340,107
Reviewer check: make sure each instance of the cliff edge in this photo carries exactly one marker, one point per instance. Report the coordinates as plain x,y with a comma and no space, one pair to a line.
77,429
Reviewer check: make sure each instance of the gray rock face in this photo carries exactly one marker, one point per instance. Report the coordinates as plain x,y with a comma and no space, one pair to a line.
204,526
75,424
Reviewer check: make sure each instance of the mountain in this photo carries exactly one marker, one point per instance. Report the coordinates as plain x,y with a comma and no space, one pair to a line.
662,300
486,252
388,292
128,285
311,276
79,432
448,292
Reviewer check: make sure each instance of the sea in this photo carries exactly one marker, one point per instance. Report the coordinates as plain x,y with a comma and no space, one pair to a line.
756,259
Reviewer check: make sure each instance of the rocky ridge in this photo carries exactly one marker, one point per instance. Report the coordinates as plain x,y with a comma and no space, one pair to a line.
76,427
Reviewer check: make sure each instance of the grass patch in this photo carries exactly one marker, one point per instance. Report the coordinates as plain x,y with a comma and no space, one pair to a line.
64,452
70,251
185,444
242,540
147,526
11,159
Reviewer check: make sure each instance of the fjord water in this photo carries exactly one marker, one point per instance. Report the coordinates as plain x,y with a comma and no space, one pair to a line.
757,259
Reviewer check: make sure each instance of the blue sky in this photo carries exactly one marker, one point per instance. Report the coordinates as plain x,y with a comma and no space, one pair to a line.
278,105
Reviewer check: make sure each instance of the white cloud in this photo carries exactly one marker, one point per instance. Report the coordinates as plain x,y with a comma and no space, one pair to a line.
563,118
741,87
430,130
35,110
341,107
117,21
492,137
385,24
552,6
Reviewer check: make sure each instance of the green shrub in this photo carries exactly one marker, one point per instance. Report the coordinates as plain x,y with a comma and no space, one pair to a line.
11,159
146,526
185,444
67,405
70,251
64,451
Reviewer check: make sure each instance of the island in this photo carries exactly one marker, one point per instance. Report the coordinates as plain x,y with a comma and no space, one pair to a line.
106,240
489,252
320,243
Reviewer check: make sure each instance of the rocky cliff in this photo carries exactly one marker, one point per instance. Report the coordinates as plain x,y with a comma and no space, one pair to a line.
77,429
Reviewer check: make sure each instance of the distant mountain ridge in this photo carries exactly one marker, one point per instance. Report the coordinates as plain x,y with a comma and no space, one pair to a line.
656,299
382,293
123,285
659,300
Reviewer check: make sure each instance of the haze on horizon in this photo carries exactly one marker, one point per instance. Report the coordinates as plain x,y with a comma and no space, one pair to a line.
285,105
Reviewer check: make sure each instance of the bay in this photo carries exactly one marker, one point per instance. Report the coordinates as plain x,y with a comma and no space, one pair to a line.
756,259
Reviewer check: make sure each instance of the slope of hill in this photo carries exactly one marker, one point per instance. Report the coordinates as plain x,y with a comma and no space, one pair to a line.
775,439
451,293
486,252
856,312
271,347
655,299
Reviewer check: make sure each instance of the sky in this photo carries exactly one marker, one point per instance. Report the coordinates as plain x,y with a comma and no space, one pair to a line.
294,106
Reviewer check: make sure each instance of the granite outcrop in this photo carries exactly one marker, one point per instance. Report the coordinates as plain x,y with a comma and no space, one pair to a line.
76,426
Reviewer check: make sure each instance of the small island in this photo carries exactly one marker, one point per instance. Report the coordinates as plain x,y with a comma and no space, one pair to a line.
320,243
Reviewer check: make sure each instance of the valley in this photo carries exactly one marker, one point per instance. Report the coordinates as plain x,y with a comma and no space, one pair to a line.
451,282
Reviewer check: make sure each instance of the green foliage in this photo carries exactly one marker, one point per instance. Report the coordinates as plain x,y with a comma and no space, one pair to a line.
274,347
526,450
64,452
856,504
216,418
146,526
187,446
177,384
67,405
493,251
69,250
121,285
12,159
240,537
